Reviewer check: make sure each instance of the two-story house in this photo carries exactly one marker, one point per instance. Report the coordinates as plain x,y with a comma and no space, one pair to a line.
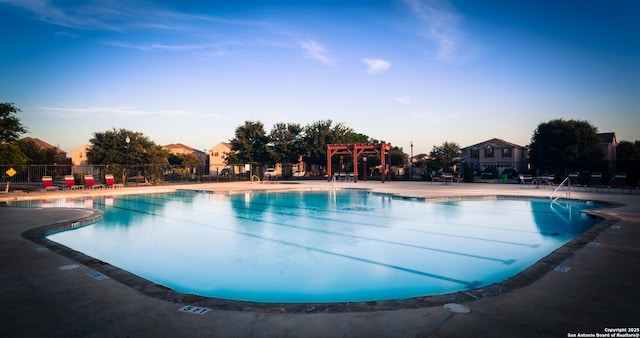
181,149
218,159
79,155
496,153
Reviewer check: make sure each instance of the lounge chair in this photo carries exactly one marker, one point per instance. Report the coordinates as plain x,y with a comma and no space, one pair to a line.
90,182
573,181
543,180
595,181
47,184
70,183
618,181
447,178
111,182
525,179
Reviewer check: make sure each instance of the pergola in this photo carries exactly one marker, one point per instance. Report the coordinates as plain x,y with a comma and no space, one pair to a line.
357,149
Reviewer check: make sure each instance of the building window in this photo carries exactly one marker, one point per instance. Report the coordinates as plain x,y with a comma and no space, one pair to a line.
488,152
506,152
215,154
475,153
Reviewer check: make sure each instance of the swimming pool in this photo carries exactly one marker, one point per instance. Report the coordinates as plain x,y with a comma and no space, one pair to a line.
320,246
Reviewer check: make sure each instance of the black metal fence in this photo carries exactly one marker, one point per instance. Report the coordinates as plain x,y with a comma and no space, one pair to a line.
29,177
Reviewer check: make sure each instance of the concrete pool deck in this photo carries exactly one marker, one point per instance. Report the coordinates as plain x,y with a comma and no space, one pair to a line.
598,293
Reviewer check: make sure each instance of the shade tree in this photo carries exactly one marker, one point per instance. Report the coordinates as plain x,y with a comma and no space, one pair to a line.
127,148
560,146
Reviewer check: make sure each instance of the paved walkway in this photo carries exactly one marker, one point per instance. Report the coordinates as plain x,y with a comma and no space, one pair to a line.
600,292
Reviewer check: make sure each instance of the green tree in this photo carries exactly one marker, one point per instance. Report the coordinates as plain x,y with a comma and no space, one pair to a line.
627,150
110,147
628,160
398,156
560,146
35,154
286,143
10,126
320,133
445,154
353,137
10,154
249,145
185,163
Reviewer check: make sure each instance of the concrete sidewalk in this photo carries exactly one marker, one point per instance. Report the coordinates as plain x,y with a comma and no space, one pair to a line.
45,294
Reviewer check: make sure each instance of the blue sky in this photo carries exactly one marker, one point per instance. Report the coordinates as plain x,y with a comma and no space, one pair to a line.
398,70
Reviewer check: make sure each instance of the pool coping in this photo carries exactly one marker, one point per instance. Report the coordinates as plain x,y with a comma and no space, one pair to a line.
146,287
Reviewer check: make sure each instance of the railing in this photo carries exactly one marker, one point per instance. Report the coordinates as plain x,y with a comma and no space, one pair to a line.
567,193
256,178
333,183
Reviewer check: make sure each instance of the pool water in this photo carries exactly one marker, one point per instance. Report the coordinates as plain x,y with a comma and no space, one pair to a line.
321,246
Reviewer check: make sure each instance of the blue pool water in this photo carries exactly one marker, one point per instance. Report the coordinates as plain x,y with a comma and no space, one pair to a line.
319,246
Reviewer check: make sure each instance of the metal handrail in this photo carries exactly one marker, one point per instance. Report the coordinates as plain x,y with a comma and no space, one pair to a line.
568,193
256,177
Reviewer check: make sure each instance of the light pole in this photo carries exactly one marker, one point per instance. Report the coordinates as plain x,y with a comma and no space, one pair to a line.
411,162
127,140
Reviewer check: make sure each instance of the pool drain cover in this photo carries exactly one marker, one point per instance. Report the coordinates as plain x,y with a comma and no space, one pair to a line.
97,275
69,267
456,308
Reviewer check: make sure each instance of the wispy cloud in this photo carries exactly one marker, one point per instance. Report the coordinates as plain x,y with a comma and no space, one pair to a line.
403,99
124,16
66,35
112,111
376,66
441,24
210,49
103,15
316,51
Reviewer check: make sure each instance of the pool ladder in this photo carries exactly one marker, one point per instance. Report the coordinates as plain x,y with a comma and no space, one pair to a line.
256,177
567,193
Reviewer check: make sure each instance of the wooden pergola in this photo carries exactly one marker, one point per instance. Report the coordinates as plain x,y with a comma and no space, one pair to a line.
357,149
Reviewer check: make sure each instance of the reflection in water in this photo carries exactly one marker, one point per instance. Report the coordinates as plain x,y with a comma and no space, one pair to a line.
561,219
320,246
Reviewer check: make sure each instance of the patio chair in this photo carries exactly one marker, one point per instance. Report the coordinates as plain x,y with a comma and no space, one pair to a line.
111,182
618,181
525,180
70,183
573,181
90,182
595,181
447,178
47,184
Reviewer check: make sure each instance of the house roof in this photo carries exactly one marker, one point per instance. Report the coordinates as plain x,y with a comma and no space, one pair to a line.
225,144
608,138
181,146
420,157
42,144
494,142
